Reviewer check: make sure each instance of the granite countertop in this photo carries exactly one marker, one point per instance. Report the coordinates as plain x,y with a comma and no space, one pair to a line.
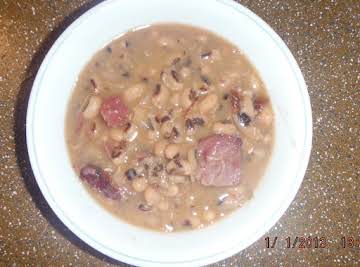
324,37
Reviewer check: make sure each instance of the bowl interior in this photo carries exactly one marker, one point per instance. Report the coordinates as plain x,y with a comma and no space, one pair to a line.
76,208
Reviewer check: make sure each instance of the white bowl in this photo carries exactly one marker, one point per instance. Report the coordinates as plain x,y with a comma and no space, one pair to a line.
89,221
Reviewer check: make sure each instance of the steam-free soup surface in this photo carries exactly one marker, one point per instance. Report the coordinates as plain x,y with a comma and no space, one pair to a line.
170,127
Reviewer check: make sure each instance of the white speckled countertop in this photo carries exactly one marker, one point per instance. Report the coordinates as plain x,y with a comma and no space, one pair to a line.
324,37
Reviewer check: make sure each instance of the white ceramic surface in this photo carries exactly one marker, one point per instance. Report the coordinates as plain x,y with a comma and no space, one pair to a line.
75,207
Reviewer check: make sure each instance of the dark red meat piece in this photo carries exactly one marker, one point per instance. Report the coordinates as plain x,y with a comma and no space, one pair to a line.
219,160
114,112
100,180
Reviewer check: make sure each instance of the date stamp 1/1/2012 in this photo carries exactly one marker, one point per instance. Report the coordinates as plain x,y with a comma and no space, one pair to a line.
301,242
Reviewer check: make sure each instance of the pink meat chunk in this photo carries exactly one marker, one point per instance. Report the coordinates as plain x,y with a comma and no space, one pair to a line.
219,160
100,180
114,112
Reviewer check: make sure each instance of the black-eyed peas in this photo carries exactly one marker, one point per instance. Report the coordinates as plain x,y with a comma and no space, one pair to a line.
160,96
208,104
134,92
93,107
172,150
224,128
170,127
159,148
139,184
152,197
172,190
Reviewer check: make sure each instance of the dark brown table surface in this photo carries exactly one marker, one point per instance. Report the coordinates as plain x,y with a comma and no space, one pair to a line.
324,37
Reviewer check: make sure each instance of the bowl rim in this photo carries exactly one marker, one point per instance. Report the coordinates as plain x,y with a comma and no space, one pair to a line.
300,172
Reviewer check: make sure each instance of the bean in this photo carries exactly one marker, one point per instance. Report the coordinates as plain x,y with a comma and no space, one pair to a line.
185,167
175,75
172,150
171,166
117,152
189,201
206,55
209,103
175,99
247,106
212,56
177,112
159,148
175,61
229,79
160,96
177,179
133,92
150,123
116,134
247,146
185,98
139,184
166,128
177,133
152,197
139,115
192,159
153,135
209,215
248,93
144,207
170,80
120,159
130,174
172,190
163,205
92,109
224,128
244,119
118,176
131,133
164,119
190,124
185,72
192,95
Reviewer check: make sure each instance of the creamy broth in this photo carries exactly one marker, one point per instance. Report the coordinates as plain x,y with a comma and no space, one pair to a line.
170,127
